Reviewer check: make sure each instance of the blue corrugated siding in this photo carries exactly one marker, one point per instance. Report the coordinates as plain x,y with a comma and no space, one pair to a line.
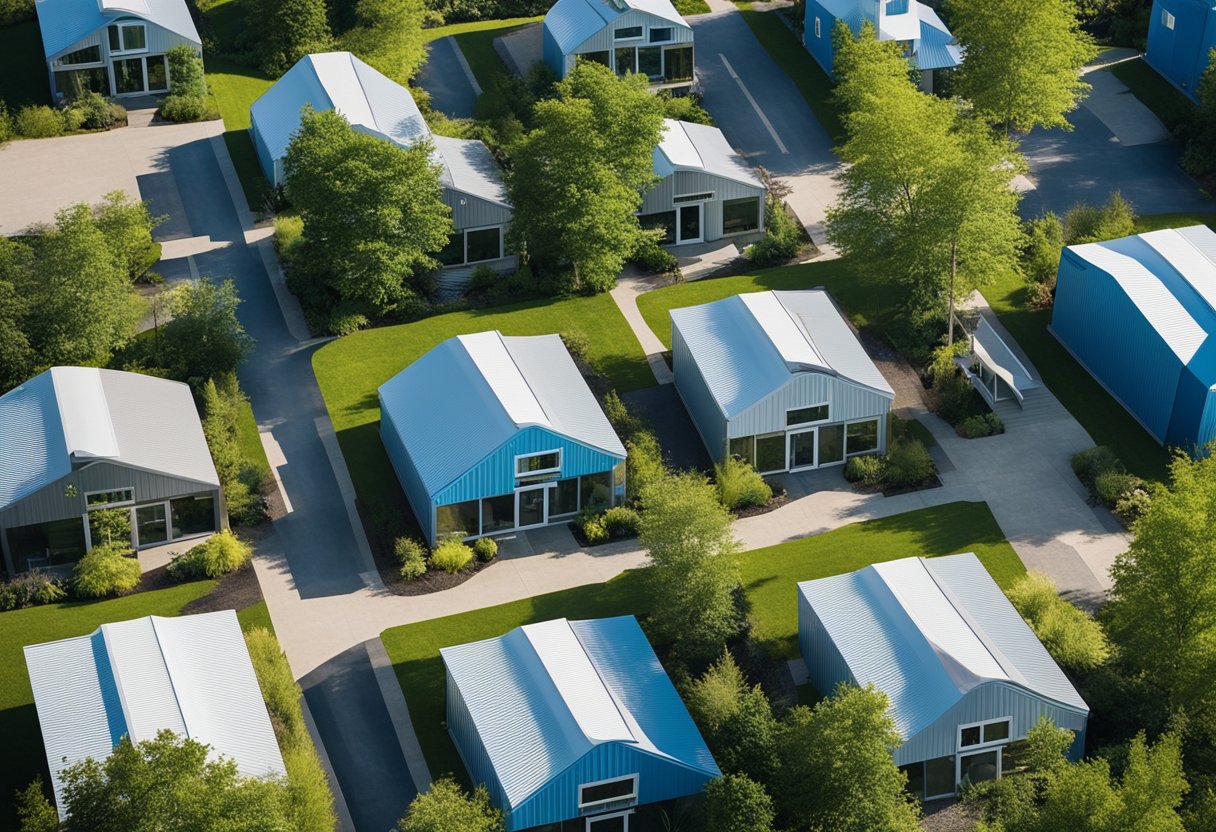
553,53
496,473
1207,421
1137,367
824,664
468,743
819,47
698,401
1181,54
658,780
263,152
407,475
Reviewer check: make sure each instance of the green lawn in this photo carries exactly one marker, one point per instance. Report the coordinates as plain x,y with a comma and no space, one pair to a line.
687,7
350,369
257,615
785,50
249,441
1156,93
769,576
236,87
864,306
21,754
476,42
22,67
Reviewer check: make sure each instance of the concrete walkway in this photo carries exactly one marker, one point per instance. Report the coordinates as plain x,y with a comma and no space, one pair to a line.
625,293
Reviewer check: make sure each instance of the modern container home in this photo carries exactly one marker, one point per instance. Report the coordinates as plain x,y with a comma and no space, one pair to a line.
1181,35
491,433
572,720
779,380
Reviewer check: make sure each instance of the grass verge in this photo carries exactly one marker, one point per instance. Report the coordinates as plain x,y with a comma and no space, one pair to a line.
249,441
769,576
1159,95
22,67
236,87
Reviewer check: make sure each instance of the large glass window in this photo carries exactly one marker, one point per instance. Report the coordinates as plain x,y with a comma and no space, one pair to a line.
916,778
608,791
74,83
806,415
563,499
88,55
453,253
596,490
626,60
677,64
597,57
770,453
151,525
976,768
609,823
862,437
660,34
996,730
44,545
739,215
192,515
628,33
127,37
939,776
129,75
158,73
549,462
456,519
744,447
110,525
650,61
497,513
665,220
831,444
484,244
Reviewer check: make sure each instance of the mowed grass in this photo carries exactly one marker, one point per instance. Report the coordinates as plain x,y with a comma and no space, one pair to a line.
1159,95
235,88
22,757
22,66
350,370
250,441
769,578
864,305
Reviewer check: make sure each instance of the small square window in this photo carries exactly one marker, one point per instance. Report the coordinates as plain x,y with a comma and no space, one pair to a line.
628,33
661,34
806,415
1167,19
608,791
969,736
996,731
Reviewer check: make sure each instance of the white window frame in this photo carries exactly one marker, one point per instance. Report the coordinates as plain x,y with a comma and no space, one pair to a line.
60,66
818,28
701,198
501,244
582,807
967,749
1167,19
650,35
617,39
801,425
877,447
612,816
122,40
121,503
540,472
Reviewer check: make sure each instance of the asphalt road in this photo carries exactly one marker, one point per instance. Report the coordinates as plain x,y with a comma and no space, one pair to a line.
444,78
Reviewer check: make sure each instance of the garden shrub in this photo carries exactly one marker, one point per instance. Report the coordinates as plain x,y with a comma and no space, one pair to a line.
684,108
736,803
618,415
973,427
1096,223
908,463
73,118
186,70
98,115
1091,462
411,555
6,124
867,470
621,521
591,525
1044,242
222,553
643,464
577,342
38,122
740,485
1111,485
1132,505
106,570
451,555
242,480
653,257
485,549
1073,638
783,236
29,589
288,231
483,279
185,108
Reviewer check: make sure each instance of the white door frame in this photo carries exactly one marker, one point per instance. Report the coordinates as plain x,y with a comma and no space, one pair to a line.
593,818
700,206
545,504
789,446
999,748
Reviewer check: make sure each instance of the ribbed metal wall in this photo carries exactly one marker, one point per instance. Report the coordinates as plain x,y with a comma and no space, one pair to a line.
53,503
496,473
469,745
475,212
1181,53
1110,336
159,39
824,664
847,402
407,475
659,198
819,47
698,401
1207,421
991,700
604,39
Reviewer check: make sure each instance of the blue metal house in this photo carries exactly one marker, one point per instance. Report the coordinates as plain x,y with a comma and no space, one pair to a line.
927,42
572,719
965,675
645,36
1181,34
779,380
1138,313
491,433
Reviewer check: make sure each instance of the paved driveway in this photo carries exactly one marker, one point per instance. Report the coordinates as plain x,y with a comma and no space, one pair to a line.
763,114
446,77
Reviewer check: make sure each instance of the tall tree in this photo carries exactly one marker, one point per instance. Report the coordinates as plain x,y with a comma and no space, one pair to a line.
280,32
1163,608
16,354
837,772
205,338
128,225
447,808
693,568
735,803
388,34
373,216
736,719
1022,60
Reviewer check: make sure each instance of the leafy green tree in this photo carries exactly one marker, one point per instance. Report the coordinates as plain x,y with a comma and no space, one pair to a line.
693,568
16,354
127,225
186,71
1163,608
205,338
837,772
446,808
1044,242
1022,75
35,813
388,34
224,407
281,32
1112,219
736,803
736,719
167,784
1073,638
373,215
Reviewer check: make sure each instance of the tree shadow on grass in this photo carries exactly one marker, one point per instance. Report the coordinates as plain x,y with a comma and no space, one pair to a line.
22,758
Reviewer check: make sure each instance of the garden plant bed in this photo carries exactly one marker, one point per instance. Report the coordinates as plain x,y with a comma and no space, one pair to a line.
235,591
583,542
932,482
780,497
390,569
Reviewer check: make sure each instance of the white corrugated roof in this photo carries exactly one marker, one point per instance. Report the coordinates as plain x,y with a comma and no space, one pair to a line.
749,346
469,167
572,22
699,147
479,390
191,675
903,26
70,415
928,631
64,22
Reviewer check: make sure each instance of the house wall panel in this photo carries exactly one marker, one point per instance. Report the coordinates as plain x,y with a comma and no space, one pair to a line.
475,212
472,750
824,664
605,39
698,401
660,198
848,401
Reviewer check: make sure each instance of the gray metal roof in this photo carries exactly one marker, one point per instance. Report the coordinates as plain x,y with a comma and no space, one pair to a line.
470,394
749,346
64,22
69,416
701,148
469,167
544,695
191,675
928,631
572,22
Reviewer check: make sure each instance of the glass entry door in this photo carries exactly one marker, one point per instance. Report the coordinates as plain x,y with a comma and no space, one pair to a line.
976,768
129,76
151,526
801,446
689,225
531,506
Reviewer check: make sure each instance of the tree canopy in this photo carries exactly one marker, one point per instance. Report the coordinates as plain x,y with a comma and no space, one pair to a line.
736,720
204,339
388,35
447,808
280,32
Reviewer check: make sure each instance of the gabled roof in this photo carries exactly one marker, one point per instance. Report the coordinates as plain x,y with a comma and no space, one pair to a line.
469,167
936,48
1170,275
69,416
749,346
928,631
64,22
544,695
572,22
470,394
191,675
701,148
